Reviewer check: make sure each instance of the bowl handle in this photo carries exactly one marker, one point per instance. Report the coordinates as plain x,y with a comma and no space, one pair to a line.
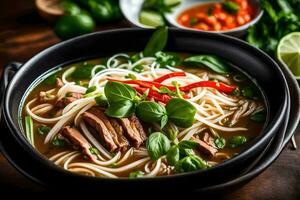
8,72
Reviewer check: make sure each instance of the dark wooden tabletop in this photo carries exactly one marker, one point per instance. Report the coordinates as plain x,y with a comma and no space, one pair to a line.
23,33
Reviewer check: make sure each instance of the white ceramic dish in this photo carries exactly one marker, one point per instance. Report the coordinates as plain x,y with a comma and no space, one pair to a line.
132,8
186,4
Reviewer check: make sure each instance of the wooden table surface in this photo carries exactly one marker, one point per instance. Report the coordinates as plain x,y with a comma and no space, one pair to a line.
23,33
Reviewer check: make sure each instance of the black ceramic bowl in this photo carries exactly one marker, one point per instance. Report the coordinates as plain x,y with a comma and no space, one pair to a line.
248,59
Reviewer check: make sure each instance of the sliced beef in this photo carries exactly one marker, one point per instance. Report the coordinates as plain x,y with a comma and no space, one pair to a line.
209,140
136,122
205,148
113,127
134,130
99,125
75,137
71,97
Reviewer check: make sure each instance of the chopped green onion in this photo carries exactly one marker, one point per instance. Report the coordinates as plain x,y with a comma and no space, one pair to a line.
91,89
43,129
29,130
136,174
94,151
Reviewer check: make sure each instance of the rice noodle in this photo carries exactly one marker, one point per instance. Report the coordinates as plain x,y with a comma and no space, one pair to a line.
93,141
67,73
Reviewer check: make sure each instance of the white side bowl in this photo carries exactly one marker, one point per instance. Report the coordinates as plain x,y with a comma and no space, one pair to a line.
131,10
186,4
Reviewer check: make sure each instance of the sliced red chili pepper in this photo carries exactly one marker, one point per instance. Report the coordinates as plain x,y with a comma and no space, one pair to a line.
170,75
154,94
222,87
144,84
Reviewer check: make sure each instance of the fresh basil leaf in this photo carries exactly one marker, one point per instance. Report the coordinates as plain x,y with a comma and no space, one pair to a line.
149,111
237,141
115,92
164,121
258,117
208,61
43,129
101,100
190,163
188,144
120,109
84,71
172,134
157,41
136,174
220,142
173,155
181,112
157,145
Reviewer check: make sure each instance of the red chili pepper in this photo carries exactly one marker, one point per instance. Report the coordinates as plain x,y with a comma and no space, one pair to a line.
144,84
170,75
154,94
222,87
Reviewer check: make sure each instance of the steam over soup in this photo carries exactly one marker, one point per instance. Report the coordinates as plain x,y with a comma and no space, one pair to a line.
143,115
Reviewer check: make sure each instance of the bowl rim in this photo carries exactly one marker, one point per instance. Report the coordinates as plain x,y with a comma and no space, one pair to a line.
19,137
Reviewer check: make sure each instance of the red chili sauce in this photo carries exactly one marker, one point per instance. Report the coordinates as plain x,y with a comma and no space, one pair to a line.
220,16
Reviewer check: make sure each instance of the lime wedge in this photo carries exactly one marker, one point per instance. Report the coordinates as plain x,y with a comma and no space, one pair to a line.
288,52
151,18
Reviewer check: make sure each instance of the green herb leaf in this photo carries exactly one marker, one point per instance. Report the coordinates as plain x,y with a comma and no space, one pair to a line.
50,80
167,59
58,142
173,155
208,61
237,141
149,111
91,89
120,109
84,71
101,100
181,112
220,142
231,7
247,92
188,144
193,21
164,121
43,129
115,92
190,163
136,174
258,117
157,145
157,42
